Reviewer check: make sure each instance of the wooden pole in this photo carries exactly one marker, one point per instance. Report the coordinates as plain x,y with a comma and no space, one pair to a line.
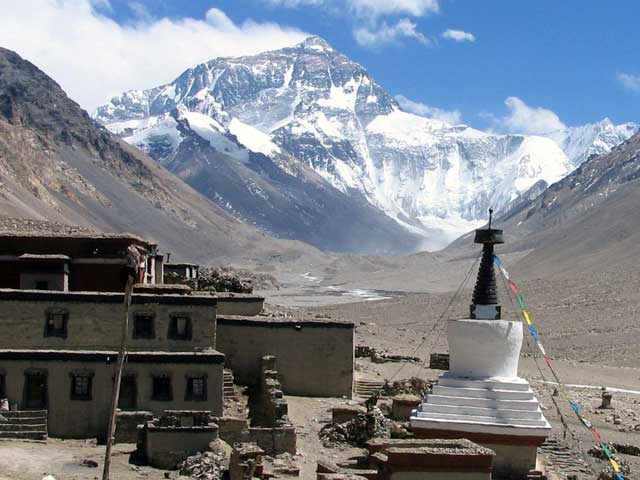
128,292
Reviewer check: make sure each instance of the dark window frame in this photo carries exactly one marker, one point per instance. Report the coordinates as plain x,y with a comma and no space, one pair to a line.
83,396
129,376
145,333
3,385
161,396
190,394
49,325
173,334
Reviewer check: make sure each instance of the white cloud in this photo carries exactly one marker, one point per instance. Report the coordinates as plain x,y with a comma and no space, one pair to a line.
296,3
377,8
385,34
93,58
424,110
527,120
629,81
140,11
458,36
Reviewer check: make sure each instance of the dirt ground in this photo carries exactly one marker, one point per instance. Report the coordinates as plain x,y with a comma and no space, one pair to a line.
63,459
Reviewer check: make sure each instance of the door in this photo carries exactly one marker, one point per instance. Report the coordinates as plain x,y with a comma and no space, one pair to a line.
35,391
128,393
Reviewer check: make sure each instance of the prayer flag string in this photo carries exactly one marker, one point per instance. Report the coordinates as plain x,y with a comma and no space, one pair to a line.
526,314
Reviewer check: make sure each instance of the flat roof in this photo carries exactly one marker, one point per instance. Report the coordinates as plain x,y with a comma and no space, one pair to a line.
180,264
237,297
50,256
11,294
78,235
282,322
107,356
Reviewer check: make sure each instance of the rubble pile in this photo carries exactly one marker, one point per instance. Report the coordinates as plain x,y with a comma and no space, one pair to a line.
607,473
382,356
626,449
207,465
226,279
358,431
30,226
412,386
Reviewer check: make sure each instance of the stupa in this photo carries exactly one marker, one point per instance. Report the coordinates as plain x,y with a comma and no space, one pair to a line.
481,397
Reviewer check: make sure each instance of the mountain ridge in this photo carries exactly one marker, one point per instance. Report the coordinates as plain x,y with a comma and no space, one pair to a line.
313,106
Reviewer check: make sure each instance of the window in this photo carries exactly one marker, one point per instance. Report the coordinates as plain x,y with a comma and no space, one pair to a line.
56,325
196,388
162,390
143,325
81,385
42,285
180,328
3,386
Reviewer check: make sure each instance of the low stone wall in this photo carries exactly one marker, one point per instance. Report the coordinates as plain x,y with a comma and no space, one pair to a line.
273,440
315,357
170,439
232,430
127,425
276,440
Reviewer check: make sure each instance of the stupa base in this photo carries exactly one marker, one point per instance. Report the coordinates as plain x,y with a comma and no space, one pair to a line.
497,413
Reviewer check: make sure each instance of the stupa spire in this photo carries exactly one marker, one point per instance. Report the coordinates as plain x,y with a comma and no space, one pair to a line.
485,305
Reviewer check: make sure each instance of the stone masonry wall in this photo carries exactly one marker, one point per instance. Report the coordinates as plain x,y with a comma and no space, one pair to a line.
95,321
315,358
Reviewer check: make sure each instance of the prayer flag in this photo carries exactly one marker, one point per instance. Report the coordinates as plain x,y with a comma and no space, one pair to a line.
505,273
513,286
527,316
521,302
496,260
614,464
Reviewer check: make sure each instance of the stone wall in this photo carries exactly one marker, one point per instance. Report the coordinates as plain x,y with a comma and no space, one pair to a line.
87,418
269,408
315,358
239,304
274,441
127,425
95,320
166,446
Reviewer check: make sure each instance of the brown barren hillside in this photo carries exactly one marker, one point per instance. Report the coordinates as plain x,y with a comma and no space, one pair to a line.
57,164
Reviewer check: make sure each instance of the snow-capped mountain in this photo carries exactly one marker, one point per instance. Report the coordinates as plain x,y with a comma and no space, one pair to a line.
309,108
580,143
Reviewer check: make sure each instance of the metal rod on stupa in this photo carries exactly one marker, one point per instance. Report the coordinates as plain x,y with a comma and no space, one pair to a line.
485,304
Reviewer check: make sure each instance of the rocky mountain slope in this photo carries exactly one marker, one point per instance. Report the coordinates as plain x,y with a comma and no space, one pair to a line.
58,164
309,108
589,221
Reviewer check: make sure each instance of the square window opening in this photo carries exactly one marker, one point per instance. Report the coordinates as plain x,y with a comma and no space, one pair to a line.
180,327
143,325
196,389
81,386
56,325
162,390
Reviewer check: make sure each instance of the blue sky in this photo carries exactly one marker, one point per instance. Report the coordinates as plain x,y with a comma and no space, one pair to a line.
559,62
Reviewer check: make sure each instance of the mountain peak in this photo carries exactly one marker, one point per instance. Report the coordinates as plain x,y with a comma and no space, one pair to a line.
315,42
